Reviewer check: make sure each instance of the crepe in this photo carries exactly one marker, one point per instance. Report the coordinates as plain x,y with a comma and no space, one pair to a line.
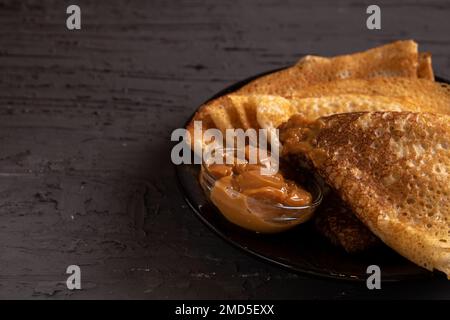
379,94
271,112
392,169
425,68
422,91
226,112
397,59
336,222
315,76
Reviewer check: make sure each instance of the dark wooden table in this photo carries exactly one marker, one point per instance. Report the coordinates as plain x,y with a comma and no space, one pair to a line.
85,123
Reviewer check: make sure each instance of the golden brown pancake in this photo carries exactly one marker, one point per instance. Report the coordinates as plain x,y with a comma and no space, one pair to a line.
392,169
273,111
397,59
336,222
425,68
421,91
269,111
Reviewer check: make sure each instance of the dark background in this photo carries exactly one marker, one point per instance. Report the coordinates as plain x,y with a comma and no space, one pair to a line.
85,123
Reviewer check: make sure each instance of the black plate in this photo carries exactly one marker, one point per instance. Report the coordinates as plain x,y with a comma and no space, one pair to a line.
302,249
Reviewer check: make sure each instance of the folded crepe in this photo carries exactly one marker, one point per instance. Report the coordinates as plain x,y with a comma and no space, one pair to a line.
425,68
380,94
392,169
395,94
336,222
269,111
416,89
397,59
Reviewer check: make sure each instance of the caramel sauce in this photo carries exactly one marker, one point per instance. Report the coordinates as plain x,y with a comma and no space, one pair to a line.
255,201
298,136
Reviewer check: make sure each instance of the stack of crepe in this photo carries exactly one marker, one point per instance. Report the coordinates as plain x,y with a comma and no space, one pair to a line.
383,136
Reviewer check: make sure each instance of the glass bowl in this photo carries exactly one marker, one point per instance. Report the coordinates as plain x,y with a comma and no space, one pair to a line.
255,214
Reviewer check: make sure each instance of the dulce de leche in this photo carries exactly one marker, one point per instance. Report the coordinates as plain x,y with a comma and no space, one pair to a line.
257,202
